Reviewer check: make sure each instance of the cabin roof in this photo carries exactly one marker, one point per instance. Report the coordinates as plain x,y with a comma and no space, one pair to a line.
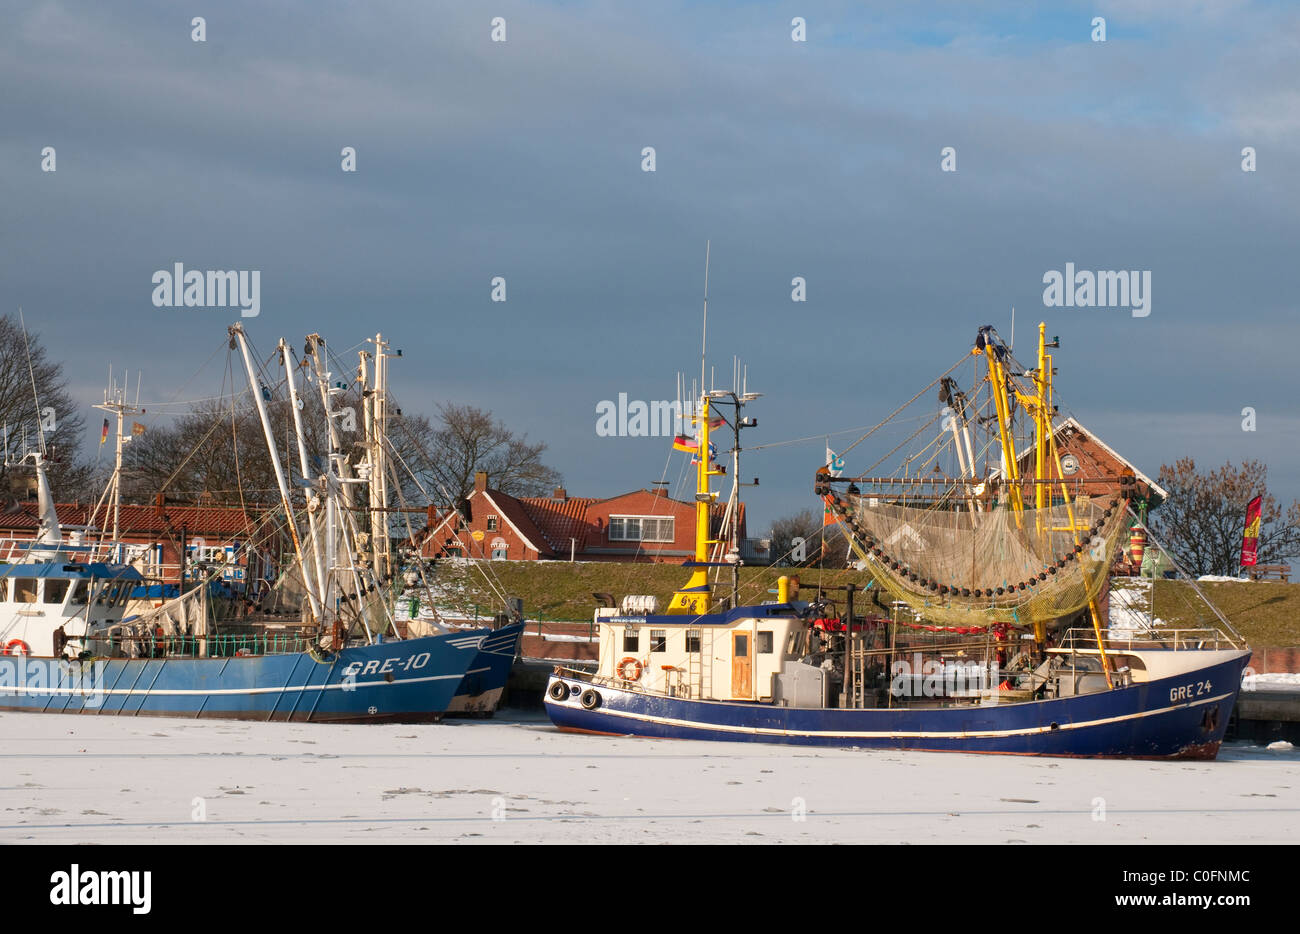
707,619
71,570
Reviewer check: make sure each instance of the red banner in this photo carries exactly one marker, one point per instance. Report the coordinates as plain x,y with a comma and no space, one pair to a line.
1250,541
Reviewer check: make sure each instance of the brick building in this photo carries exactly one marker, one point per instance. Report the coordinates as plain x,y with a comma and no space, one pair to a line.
643,525
153,534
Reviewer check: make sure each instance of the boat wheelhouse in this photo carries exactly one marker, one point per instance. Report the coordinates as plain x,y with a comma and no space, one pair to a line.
57,605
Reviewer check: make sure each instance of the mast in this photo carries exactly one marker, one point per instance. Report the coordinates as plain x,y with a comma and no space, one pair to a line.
377,425
237,333
697,596
994,350
295,405
116,404
48,532
315,343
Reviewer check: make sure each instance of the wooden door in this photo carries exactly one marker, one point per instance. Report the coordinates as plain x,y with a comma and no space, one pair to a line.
742,665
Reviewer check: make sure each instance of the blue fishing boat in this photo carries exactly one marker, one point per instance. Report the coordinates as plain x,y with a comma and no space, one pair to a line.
67,648
69,645
480,691
986,627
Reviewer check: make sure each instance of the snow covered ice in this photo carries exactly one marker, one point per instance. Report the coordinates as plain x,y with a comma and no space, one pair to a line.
72,779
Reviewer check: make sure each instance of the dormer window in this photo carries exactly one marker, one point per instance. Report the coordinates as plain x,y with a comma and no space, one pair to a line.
492,523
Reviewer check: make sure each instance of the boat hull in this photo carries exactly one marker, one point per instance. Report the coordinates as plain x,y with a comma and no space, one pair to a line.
479,693
1179,717
408,680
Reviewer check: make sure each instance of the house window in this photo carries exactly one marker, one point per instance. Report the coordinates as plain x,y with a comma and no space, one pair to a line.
693,640
492,523
641,529
658,640
631,640
55,590
25,590
764,643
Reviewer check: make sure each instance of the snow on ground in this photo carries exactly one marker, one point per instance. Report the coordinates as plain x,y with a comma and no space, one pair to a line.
1219,578
1129,614
1276,679
72,779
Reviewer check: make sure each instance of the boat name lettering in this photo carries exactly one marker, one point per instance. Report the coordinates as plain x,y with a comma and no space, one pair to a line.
1188,691
376,667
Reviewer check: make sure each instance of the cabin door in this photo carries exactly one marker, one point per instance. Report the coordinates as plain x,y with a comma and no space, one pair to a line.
742,665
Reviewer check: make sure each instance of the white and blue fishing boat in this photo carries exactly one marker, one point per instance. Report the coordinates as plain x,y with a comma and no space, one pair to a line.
68,646
986,628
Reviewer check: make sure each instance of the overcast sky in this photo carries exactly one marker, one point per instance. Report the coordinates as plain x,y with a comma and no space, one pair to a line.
820,159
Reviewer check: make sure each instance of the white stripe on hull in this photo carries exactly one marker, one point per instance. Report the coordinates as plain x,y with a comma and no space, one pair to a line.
896,734
184,692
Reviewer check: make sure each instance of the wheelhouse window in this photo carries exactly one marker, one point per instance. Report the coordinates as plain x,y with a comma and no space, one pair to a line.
693,640
658,640
764,643
641,529
25,590
80,593
4,588
631,640
56,589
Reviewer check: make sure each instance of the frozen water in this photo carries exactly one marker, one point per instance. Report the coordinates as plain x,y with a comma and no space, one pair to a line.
72,779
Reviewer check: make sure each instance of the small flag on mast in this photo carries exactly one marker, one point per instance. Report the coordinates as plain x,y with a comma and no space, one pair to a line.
103,435
834,463
1250,540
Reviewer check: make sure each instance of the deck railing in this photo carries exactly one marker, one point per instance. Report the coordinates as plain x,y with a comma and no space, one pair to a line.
1152,638
220,646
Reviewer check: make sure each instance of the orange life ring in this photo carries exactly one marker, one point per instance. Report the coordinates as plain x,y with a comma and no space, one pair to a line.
623,669
24,648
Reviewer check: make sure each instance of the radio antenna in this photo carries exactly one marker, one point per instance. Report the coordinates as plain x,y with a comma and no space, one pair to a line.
704,339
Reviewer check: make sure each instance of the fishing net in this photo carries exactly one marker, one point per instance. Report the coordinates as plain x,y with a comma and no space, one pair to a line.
967,567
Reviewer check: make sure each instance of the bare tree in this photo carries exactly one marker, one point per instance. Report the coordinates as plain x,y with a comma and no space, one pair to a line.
467,439
805,524
215,448
60,415
1204,518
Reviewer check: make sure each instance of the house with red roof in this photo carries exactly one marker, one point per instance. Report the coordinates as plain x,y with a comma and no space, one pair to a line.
642,525
154,534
